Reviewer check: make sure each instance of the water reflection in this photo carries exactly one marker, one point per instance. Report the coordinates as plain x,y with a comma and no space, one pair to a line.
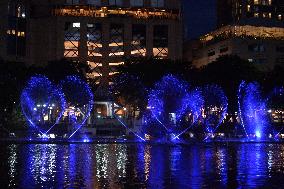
252,167
142,166
12,161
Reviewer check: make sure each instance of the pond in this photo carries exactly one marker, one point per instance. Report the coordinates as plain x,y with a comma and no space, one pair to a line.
232,165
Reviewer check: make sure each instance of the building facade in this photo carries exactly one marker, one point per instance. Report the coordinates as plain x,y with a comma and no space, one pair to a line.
262,46
250,12
253,30
103,33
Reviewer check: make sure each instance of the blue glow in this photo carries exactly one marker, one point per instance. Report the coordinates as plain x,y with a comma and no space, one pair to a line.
124,125
174,106
275,105
253,110
42,104
214,108
240,114
258,134
78,95
86,140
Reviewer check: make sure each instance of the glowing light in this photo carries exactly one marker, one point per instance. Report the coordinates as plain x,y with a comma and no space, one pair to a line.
214,109
253,109
257,134
52,136
78,94
86,140
37,96
44,136
170,102
275,103
124,125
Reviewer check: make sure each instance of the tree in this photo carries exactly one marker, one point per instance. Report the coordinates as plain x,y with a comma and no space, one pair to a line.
137,76
228,72
59,69
12,79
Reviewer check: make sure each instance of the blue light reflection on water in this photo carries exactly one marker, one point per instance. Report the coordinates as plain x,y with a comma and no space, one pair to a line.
142,166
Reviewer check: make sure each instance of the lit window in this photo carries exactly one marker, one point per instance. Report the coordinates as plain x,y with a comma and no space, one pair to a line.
279,17
160,43
269,2
94,39
256,2
112,73
116,63
96,73
21,34
248,8
116,44
269,15
76,25
16,9
138,43
256,15
72,38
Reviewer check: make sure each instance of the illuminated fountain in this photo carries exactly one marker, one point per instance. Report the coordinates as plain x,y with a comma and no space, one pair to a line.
275,105
174,108
253,111
214,108
79,99
43,104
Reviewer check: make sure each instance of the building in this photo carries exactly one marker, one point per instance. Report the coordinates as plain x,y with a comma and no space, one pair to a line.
102,33
253,30
250,12
262,46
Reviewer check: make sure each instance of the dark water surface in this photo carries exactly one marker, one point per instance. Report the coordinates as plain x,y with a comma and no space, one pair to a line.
141,166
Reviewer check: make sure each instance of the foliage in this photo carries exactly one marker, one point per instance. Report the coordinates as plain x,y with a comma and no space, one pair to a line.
137,76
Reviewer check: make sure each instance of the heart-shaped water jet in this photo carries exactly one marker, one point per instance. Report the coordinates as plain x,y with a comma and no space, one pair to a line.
42,103
79,99
173,106
214,108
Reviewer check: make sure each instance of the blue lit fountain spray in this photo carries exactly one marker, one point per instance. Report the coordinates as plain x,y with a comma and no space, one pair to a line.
253,111
170,101
79,99
43,104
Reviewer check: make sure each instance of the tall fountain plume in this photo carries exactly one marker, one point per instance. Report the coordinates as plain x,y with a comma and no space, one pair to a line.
253,110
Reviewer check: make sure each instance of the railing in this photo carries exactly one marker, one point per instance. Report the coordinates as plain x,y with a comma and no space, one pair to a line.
93,11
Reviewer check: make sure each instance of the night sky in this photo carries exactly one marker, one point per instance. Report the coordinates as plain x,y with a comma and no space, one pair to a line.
199,17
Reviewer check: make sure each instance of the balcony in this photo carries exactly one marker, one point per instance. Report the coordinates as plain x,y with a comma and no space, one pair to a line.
100,12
